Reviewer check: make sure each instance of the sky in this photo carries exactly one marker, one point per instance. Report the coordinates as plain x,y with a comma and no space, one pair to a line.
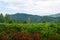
35,7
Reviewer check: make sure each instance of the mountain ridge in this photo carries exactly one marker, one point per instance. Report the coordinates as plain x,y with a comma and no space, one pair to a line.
34,18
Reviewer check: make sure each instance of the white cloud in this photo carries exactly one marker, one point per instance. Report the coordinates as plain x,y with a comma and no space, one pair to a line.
34,6
12,7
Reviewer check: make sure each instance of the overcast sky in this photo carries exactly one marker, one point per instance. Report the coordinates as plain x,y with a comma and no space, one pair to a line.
36,7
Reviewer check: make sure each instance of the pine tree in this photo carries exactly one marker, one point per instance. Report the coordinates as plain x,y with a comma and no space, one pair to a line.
7,18
1,18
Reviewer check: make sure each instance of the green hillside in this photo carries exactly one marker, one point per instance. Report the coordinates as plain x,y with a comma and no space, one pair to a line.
34,18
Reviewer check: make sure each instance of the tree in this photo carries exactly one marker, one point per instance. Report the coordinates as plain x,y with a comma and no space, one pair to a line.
1,18
7,18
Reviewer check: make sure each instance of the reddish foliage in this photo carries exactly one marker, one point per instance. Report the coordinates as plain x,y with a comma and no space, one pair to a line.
19,36
23,36
3,37
36,36
28,36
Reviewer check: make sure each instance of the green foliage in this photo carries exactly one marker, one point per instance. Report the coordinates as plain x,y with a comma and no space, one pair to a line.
1,18
47,30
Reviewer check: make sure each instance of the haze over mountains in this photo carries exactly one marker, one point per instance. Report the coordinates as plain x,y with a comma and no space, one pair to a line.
55,15
35,18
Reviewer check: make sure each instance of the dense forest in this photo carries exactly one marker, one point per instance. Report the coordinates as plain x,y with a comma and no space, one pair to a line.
25,30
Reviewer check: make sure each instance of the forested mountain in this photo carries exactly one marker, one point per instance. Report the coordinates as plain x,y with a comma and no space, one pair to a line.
25,17
35,18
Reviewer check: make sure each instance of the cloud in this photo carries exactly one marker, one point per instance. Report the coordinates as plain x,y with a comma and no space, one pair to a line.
38,7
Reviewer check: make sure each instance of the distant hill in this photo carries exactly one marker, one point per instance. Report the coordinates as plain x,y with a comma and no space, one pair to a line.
55,15
35,18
